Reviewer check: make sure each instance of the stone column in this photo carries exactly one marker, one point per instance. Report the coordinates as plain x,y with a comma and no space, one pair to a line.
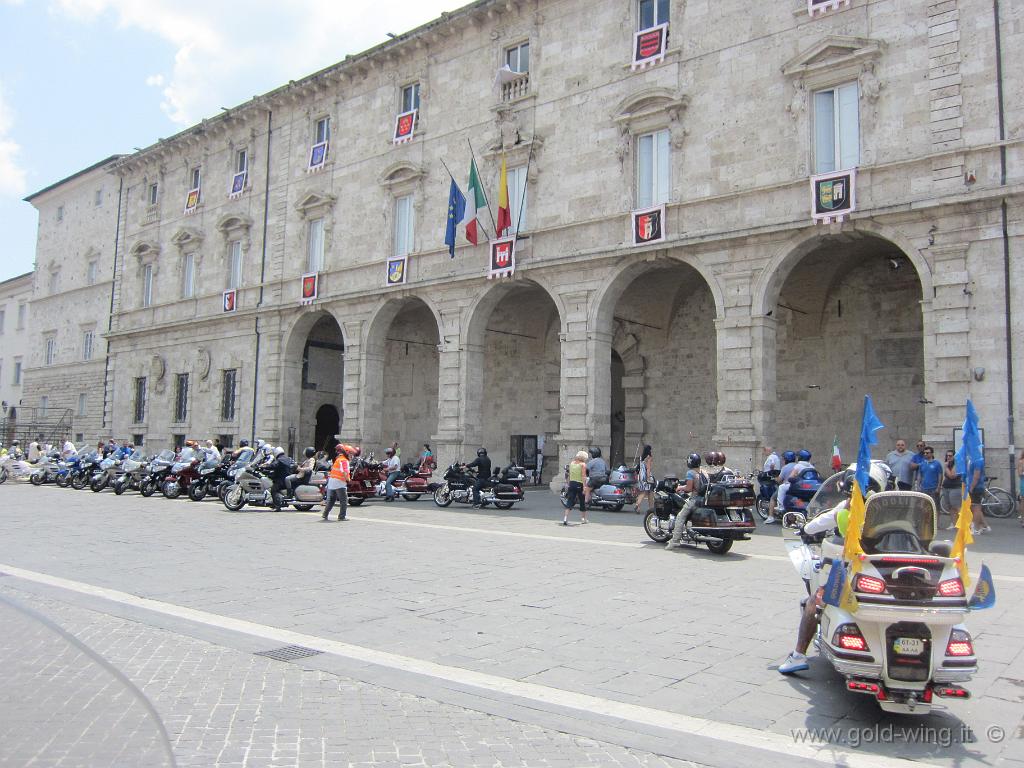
599,356
454,405
946,342
353,401
579,370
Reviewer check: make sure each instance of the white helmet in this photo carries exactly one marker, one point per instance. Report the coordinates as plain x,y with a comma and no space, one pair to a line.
279,451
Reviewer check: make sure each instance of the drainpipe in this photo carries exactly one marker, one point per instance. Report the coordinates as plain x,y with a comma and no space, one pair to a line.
1007,302
113,284
263,273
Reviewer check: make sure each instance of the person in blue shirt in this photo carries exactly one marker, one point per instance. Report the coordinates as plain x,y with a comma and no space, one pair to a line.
929,472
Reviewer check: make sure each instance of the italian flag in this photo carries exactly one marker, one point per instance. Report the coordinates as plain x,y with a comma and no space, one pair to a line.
837,462
475,200
504,211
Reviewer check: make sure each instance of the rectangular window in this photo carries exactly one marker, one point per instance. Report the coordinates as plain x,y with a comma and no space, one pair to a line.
410,98
315,246
138,439
517,58
181,397
188,276
81,404
517,196
234,264
92,272
79,437
322,131
652,13
44,404
403,225
652,169
22,308
197,178
17,371
3,315
147,285
99,198
836,129
154,193
87,345
51,350
139,406
60,213
242,161
226,441
227,398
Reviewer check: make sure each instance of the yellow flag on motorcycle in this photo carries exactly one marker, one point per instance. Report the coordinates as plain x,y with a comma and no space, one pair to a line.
852,549
963,536
849,602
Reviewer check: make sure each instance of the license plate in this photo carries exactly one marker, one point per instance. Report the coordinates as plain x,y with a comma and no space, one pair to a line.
908,646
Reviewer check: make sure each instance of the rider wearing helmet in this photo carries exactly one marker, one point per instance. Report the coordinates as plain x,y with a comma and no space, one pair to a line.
482,464
393,466
304,472
788,474
788,460
695,485
880,477
597,473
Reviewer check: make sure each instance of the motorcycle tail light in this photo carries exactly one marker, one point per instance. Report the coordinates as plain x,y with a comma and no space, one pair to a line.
959,644
869,584
861,686
849,638
951,588
952,692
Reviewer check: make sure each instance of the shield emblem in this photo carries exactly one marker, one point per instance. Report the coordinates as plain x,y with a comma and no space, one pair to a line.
832,195
502,254
396,272
649,44
645,226
405,125
229,301
309,287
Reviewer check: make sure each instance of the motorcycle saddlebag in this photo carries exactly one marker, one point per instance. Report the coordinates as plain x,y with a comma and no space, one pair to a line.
722,495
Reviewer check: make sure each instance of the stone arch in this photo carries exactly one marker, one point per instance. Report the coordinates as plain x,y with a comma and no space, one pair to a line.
478,312
627,346
768,286
312,375
388,309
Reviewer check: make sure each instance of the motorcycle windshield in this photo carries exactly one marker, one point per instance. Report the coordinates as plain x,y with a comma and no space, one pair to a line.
166,455
898,521
244,457
828,495
186,454
64,704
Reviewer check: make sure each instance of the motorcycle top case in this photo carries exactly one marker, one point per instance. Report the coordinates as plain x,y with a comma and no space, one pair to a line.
722,495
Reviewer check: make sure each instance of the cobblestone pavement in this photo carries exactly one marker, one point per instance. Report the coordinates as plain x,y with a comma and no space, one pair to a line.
223,707
597,612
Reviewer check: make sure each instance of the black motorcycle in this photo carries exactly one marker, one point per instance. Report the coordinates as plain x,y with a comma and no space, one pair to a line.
722,516
503,489
87,466
159,471
211,475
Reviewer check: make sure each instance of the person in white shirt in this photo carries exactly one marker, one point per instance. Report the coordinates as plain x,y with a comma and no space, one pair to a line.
35,452
393,467
211,451
68,450
772,462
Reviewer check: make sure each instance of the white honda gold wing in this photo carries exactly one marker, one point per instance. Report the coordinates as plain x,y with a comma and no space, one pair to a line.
906,643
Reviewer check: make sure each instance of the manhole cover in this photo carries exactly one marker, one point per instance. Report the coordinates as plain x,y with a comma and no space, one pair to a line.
289,653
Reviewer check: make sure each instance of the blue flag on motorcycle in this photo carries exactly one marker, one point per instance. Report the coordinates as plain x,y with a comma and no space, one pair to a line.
971,455
869,425
835,584
985,593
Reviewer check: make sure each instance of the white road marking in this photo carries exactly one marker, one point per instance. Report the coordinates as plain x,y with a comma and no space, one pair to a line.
646,716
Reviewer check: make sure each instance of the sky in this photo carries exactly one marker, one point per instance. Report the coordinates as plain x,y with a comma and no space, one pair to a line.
81,80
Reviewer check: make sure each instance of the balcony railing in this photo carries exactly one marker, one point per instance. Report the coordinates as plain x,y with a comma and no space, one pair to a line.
516,88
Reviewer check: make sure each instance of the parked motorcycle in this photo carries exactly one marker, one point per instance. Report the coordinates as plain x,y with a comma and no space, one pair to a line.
506,487
88,464
45,470
767,487
722,517
618,491
109,471
906,643
211,474
134,469
183,473
364,481
412,483
14,467
254,487
157,472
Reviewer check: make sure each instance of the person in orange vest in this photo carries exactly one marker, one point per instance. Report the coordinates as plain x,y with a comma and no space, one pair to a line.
337,484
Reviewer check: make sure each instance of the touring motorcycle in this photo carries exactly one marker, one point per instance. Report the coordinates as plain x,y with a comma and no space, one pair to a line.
254,487
506,487
906,643
722,516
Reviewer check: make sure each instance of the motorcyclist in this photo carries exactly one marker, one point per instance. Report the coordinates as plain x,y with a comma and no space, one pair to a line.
788,460
304,472
278,467
242,445
813,531
393,466
696,483
803,462
597,474
482,464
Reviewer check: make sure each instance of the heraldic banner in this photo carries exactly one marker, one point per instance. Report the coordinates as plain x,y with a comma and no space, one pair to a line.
397,268
823,6
230,300
649,225
405,127
649,46
503,257
833,196
310,288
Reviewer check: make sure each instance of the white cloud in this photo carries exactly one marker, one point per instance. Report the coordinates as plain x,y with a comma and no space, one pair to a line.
225,52
12,175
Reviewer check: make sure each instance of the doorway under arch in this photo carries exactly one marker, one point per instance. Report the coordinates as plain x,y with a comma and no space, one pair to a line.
314,375
328,424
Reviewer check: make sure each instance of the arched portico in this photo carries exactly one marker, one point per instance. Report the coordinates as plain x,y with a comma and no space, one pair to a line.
312,371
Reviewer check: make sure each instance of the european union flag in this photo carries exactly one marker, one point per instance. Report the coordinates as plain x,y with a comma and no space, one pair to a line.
971,455
835,584
868,426
456,212
985,593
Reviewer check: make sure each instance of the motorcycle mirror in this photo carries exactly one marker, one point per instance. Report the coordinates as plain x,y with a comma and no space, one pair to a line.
794,520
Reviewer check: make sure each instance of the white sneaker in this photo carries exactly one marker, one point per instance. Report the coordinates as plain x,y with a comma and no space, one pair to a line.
771,521
795,662
673,545
985,529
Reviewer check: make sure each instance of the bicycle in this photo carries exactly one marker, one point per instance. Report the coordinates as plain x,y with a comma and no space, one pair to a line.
995,502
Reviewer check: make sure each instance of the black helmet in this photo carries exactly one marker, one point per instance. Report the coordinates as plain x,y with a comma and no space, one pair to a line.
595,452
309,453
243,443
693,460
481,452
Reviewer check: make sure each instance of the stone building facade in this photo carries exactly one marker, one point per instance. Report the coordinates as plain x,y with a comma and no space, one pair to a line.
15,295
749,322
66,364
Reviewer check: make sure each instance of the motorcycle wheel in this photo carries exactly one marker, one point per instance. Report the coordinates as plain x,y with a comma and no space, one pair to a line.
720,548
303,507
653,529
36,478
98,485
618,507
78,482
411,496
197,491
119,487
763,505
147,488
62,481
504,504
355,501
234,498
442,496
3,475
223,488
171,489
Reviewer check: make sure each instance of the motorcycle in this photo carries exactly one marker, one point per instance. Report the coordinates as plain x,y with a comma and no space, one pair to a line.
767,487
906,644
13,467
616,492
88,464
364,481
134,470
45,470
182,474
254,487
412,483
211,474
722,517
506,487
157,472
109,471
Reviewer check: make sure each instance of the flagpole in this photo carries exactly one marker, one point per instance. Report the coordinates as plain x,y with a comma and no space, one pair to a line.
482,190
452,176
522,197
